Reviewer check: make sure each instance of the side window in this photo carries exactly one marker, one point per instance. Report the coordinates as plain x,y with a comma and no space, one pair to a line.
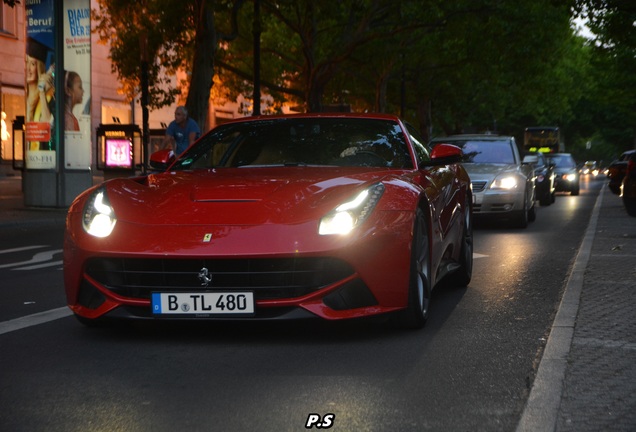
421,150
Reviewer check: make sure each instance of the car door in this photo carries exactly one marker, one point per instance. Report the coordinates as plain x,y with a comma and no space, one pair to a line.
444,179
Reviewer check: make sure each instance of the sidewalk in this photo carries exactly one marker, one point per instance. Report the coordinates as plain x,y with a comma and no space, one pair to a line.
12,209
586,381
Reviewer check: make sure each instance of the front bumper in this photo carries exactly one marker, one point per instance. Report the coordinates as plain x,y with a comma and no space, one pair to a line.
331,278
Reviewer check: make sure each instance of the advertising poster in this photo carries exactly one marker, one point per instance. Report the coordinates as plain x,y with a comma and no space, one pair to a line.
77,84
40,85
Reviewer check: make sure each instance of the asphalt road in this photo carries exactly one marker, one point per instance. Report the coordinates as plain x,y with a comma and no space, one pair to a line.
470,368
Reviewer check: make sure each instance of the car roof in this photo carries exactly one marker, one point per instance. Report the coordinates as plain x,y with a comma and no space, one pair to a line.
377,116
464,137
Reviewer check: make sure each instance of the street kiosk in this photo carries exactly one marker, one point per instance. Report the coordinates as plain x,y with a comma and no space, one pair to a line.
119,150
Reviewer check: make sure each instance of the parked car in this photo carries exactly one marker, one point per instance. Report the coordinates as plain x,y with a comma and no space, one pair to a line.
336,216
503,186
616,171
628,185
567,174
544,177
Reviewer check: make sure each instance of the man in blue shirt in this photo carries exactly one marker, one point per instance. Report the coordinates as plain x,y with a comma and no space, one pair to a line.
181,132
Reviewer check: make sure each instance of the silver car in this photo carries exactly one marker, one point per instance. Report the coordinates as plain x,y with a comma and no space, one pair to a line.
503,186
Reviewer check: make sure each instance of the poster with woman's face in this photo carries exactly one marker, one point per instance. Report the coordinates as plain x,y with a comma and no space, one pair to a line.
72,75
77,84
40,85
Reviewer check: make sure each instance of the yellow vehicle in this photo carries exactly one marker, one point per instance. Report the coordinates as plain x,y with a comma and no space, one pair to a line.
543,139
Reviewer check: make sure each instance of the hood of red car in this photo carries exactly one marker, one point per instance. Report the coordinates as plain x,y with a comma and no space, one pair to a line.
238,196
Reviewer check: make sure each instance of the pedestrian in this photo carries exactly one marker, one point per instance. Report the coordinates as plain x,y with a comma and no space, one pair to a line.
181,132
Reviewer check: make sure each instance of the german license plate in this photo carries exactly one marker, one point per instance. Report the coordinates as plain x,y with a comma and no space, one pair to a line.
203,304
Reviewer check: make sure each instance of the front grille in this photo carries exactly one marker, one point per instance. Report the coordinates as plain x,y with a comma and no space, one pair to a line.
502,207
268,278
478,186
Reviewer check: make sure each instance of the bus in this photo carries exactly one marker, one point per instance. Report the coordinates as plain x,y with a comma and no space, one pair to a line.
543,139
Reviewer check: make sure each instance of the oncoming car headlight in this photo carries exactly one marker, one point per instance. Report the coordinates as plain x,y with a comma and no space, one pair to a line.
348,215
570,177
507,182
98,218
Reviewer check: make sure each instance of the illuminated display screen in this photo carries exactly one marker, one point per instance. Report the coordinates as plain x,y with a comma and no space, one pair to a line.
118,153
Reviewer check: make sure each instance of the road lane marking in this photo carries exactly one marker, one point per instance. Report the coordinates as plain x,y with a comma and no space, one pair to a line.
38,266
20,249
35,319
37,258
54,314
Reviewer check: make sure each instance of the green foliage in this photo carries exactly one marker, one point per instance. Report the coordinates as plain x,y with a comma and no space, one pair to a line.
155,32
461,66
611,105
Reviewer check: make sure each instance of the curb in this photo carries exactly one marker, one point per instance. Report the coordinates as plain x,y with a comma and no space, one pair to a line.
542,409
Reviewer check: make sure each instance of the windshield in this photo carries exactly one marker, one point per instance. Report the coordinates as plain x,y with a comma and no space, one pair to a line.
301,141
486,151
563,161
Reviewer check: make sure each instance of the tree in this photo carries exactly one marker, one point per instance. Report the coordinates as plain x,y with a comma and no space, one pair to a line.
169,35
307,45
505,62
614,62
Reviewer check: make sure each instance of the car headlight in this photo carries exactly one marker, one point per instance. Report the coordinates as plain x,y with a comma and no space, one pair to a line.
99,217
570,177
348,215
508,182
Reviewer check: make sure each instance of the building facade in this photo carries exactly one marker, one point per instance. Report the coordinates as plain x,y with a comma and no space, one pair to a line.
108,106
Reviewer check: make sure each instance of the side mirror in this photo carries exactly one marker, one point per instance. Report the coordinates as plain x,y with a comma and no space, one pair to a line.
162,159
446,154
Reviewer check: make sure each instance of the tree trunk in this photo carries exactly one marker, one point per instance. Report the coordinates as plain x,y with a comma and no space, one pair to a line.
205,44
424,117
381,92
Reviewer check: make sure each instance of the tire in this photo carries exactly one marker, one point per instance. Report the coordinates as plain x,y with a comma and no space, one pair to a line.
630,205
462,276
532,213
419,295
521,219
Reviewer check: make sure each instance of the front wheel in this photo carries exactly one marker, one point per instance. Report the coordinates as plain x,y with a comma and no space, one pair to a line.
419,294
522,216
462,276
630,205
532,213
